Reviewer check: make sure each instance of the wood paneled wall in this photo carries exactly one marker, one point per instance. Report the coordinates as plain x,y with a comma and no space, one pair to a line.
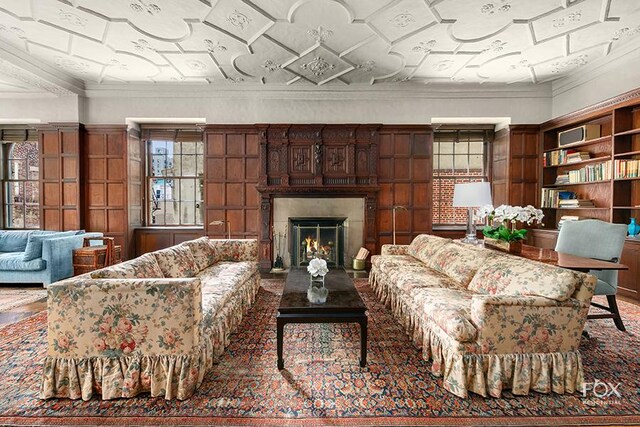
106,182
405,168
231,177
514,166
61,190
149,239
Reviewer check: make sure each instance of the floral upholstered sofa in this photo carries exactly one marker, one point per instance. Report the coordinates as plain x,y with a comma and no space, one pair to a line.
488,320
153,324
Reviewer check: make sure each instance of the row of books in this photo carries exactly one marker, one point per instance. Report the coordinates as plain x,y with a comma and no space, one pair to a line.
626,168
562,157
554,198
567,218
589,173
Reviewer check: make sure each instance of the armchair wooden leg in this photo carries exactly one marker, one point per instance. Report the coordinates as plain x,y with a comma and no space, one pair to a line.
613,305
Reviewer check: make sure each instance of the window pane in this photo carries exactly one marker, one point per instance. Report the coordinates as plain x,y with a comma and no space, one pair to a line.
32,217
476,162
200,147
476,147
188,164
15,216
188,148
17,169
32,192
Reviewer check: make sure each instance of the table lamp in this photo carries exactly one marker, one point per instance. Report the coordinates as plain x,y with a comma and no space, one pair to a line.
471,195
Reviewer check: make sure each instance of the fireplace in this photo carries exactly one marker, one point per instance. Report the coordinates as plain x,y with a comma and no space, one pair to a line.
321,237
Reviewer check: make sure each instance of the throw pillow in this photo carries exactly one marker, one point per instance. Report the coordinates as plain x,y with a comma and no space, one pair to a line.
176,262
459,262
145,266
33,250
202,251
425,245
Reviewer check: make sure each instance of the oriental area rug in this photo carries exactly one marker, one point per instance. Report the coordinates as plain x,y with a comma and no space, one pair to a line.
322,383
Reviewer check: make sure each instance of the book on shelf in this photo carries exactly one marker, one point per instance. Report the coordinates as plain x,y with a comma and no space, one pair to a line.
562,178
576,203
551,197
567,218
561,157
589,173
626,168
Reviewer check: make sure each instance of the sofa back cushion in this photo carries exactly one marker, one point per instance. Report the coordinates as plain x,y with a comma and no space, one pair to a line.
33,250
458,261
425,245
14,241
176,262
144,266
510,275
202,251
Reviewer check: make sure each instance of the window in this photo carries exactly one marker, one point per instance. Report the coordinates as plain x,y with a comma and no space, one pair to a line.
21,191
175,179
458,156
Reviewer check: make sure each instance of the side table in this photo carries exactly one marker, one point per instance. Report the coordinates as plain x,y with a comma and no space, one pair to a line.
89,258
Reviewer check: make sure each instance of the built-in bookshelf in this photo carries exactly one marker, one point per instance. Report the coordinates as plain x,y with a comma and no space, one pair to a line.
604,170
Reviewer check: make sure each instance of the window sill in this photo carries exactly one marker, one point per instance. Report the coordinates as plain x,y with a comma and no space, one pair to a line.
171,227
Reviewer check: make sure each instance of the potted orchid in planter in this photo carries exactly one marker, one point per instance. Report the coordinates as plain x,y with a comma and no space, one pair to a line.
501,232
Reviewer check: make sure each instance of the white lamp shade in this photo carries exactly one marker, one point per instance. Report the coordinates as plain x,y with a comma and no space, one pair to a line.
472,195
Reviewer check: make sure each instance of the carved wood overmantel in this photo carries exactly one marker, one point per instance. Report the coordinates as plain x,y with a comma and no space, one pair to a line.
316,160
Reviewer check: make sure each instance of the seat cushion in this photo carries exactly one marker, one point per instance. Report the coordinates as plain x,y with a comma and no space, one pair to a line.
604,288
144,266
458,261
202,251
384,263
425,245
449,309
12,261
220,281
176,262
409,278
510,275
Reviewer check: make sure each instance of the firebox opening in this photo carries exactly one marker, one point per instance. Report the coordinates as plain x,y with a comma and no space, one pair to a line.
321,237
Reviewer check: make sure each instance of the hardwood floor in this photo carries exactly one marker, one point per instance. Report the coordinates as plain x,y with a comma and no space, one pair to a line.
15,314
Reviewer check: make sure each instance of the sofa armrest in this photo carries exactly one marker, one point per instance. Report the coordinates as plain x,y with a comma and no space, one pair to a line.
58,253
389,249
121,317
527,324
235,250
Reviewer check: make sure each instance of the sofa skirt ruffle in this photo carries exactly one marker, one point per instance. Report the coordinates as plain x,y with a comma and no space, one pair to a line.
490,374
173,377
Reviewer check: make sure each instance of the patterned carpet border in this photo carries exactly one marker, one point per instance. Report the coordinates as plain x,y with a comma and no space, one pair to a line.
321,367
630,420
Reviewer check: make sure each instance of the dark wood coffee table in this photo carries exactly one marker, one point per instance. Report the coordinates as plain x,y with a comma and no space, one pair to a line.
343,305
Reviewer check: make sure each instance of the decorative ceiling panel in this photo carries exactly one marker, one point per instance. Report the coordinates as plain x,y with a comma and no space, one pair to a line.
311,42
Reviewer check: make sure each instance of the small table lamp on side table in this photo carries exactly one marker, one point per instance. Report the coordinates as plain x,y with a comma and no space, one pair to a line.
471,195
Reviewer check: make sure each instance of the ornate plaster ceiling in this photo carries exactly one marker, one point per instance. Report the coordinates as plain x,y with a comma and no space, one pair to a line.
315,42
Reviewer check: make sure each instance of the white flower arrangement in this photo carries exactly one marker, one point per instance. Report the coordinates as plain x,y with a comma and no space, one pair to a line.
503,219
317,267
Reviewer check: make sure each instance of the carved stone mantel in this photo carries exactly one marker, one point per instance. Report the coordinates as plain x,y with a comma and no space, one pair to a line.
315,161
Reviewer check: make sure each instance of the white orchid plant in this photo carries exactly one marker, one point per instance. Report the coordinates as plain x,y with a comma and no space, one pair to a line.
503,220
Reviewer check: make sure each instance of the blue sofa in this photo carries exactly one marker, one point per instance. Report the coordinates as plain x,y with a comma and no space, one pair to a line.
38,256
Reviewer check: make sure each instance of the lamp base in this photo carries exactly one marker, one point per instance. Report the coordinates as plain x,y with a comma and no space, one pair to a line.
470,237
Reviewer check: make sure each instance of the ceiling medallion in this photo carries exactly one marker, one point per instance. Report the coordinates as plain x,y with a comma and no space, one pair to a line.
72,18
214,47
625,32
196,65
424,47
18,32
501,6
578,61
443,65
572,17
366,66
141,45
238,19
495,46
271,66
318,66
403,19
71,65
141,6
320,34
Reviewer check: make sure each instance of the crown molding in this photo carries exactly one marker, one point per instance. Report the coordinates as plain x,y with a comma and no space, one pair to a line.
353,92
25,68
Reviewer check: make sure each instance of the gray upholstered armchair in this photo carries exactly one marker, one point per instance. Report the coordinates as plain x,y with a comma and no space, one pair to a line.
593,238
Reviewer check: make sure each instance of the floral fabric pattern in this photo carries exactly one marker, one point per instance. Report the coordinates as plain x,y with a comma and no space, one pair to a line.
235,250
176,261
144,266
485,343
202,252
508,275
458,262
121,337
425,245
394,249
